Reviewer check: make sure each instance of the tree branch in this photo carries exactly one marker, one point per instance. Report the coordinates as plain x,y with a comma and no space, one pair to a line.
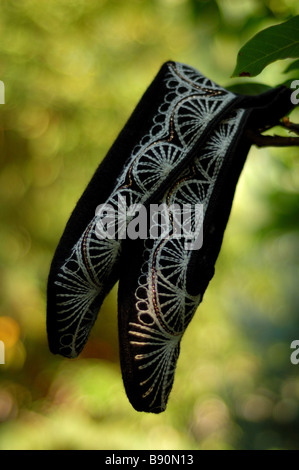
291,126
271,140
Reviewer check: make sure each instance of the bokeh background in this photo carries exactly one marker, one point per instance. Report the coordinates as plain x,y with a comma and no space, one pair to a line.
73,72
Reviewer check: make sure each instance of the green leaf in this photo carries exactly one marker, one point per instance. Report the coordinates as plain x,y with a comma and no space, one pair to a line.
288,83
248,88
293,66
274,43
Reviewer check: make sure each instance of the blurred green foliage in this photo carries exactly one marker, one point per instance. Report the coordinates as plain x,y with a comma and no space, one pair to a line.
73,71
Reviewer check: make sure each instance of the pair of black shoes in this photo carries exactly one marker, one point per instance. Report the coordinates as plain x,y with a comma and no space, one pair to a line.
153,218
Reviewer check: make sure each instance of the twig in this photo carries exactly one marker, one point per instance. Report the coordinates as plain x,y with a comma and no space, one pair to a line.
290,125
271,140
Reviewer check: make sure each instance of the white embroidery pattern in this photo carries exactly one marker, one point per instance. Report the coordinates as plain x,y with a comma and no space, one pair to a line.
164,307
188,107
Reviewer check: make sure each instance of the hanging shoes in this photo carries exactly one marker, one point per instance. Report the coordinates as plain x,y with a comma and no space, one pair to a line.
185,145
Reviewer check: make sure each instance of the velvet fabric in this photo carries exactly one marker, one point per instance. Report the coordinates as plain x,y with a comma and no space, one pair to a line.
185,144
